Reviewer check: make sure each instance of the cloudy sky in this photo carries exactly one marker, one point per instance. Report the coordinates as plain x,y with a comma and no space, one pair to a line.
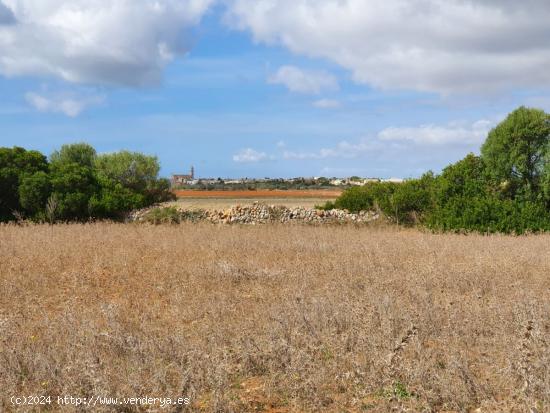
271,87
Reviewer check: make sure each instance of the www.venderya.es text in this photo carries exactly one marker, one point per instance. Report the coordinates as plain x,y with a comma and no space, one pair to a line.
99,401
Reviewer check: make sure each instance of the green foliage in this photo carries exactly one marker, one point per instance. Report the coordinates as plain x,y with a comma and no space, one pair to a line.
505,190
411,200
114,200
327,206
169,215
73,185
402,202
516,150
159,191
15,164
77,184
373,195
34,192
79,153
130,181
132,170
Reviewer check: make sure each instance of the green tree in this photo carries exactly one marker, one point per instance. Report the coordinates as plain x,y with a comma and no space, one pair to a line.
73,185
15,163
515,151
114,200
34,191
136,172
131,169
82,154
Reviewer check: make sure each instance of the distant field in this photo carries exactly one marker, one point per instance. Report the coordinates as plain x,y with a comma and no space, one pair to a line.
277,194
224,203
275,319
217,200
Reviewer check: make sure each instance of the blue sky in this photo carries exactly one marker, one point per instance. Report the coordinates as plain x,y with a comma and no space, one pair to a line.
270,88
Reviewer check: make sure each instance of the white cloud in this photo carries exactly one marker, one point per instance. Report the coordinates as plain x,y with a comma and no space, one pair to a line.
454,133
343,149
119,42
249,155
405,141
443,46
6,15
304,81
327,104
68,105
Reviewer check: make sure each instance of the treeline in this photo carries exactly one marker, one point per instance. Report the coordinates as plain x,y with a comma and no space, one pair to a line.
506,189
259,184
77,184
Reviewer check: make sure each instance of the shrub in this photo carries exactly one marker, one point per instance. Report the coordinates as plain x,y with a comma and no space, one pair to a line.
327,206
169,215
373,195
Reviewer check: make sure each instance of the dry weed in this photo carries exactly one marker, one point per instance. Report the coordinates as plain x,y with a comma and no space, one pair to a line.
275,318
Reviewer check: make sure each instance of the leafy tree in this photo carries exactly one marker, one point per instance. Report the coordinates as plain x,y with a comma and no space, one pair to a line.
34,191
131,169
79,153
114,200
466,178
136,172
73,185
515,151
14,164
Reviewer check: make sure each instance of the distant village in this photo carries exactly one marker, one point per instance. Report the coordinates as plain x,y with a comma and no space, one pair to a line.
191,180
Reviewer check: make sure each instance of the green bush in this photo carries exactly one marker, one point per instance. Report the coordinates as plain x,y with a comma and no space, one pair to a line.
169,215
373,195
404,203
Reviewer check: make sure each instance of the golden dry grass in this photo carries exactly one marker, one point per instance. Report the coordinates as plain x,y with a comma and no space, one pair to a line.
276,318
260,193
221,204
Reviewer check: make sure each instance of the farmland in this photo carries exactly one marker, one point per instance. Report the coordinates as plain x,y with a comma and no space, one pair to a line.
276,318
219,200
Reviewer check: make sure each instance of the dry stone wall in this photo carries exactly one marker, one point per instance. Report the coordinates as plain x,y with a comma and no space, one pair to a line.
260,213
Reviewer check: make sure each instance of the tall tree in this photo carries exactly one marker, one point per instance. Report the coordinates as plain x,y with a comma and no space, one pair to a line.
79,153
515,151
14,164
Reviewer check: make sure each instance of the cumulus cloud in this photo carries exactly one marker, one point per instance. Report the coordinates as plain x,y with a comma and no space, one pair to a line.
327,104
451,46
343,149
70,106
426,139
6,15
454,133
119,42
249,155
304,81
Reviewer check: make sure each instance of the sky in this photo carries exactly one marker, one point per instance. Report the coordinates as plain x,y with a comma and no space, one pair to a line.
271,88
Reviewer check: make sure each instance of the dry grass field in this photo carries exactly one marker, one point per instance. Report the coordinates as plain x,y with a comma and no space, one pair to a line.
275,318
221,204
261,193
